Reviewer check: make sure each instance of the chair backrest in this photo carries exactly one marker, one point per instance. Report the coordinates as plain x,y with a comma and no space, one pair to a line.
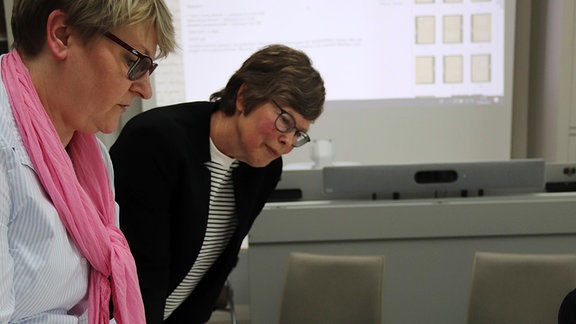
519,288
224,304
332,289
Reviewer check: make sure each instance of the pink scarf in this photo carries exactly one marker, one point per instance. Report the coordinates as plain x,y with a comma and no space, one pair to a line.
80,190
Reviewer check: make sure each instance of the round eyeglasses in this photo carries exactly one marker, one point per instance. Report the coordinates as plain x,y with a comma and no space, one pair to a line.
285,123
142,65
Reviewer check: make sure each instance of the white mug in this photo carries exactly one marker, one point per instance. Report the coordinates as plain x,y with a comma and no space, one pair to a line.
322,153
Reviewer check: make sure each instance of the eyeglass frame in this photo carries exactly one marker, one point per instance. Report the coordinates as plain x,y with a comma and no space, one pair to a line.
141,58
304,135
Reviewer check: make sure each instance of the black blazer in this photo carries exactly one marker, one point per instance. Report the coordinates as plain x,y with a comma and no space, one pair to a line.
163,189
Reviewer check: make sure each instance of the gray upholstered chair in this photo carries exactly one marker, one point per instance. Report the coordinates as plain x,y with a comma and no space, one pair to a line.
519,288
333,289
225,303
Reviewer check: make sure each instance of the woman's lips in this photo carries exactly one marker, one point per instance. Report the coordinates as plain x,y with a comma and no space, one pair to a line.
272,151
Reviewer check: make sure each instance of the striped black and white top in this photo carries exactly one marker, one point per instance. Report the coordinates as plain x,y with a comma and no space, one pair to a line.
222,223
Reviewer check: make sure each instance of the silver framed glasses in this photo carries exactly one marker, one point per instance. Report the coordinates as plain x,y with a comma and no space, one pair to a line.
139,67
285,123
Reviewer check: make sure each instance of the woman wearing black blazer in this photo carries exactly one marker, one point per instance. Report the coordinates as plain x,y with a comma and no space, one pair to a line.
191,178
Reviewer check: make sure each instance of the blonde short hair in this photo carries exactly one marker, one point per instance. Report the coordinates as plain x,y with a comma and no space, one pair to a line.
90,18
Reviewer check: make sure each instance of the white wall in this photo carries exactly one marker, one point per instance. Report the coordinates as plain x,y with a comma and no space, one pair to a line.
552,81
8,13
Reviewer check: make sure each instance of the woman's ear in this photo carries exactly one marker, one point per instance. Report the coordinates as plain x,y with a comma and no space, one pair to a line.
240,98
57,34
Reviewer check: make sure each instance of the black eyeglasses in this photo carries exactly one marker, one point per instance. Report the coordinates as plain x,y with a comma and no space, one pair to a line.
285,123
142,65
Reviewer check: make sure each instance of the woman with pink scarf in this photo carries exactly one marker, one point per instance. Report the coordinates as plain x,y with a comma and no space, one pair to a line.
76,67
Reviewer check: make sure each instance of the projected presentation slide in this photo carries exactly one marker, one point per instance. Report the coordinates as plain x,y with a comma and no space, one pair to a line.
365,49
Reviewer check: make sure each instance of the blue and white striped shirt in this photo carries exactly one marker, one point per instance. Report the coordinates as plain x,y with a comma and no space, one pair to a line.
43,276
